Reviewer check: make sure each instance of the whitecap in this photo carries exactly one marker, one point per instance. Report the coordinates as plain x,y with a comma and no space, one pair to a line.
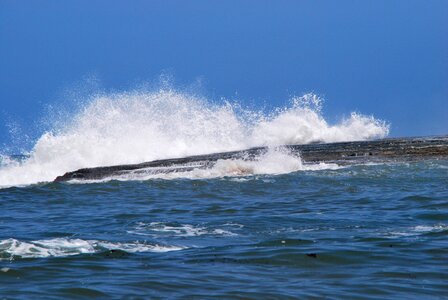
66,247
179,230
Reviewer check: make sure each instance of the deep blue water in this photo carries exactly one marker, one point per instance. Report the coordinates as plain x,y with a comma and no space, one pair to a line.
366,231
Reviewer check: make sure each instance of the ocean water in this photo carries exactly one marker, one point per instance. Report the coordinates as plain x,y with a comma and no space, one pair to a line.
274,228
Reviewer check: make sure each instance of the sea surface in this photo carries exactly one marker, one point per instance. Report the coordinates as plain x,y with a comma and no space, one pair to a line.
363,231
276,227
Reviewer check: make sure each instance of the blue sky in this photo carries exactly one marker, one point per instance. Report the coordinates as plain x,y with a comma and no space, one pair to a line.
384,57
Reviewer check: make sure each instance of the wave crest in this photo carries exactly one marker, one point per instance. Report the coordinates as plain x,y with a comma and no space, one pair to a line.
59,247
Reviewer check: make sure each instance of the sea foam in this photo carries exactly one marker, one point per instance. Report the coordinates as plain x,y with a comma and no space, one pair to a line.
140,126
11,248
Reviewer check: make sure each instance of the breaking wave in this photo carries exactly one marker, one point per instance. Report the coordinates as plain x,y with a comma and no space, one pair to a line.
275,161
11,248
141,126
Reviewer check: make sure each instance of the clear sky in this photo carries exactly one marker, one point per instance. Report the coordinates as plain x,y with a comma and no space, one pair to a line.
382,57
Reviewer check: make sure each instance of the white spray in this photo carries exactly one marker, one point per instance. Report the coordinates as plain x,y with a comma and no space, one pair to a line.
143,126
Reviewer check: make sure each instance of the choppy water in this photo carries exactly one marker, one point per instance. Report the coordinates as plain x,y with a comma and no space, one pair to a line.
366,231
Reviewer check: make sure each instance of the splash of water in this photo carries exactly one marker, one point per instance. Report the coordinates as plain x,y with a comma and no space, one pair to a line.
143,126
274,162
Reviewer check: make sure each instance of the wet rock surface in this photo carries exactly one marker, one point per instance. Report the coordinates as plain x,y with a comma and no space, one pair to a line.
391,149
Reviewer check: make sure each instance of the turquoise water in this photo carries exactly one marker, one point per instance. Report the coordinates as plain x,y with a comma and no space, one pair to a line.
363,231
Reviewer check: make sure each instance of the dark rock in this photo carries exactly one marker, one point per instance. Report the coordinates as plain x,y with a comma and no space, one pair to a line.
392,149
